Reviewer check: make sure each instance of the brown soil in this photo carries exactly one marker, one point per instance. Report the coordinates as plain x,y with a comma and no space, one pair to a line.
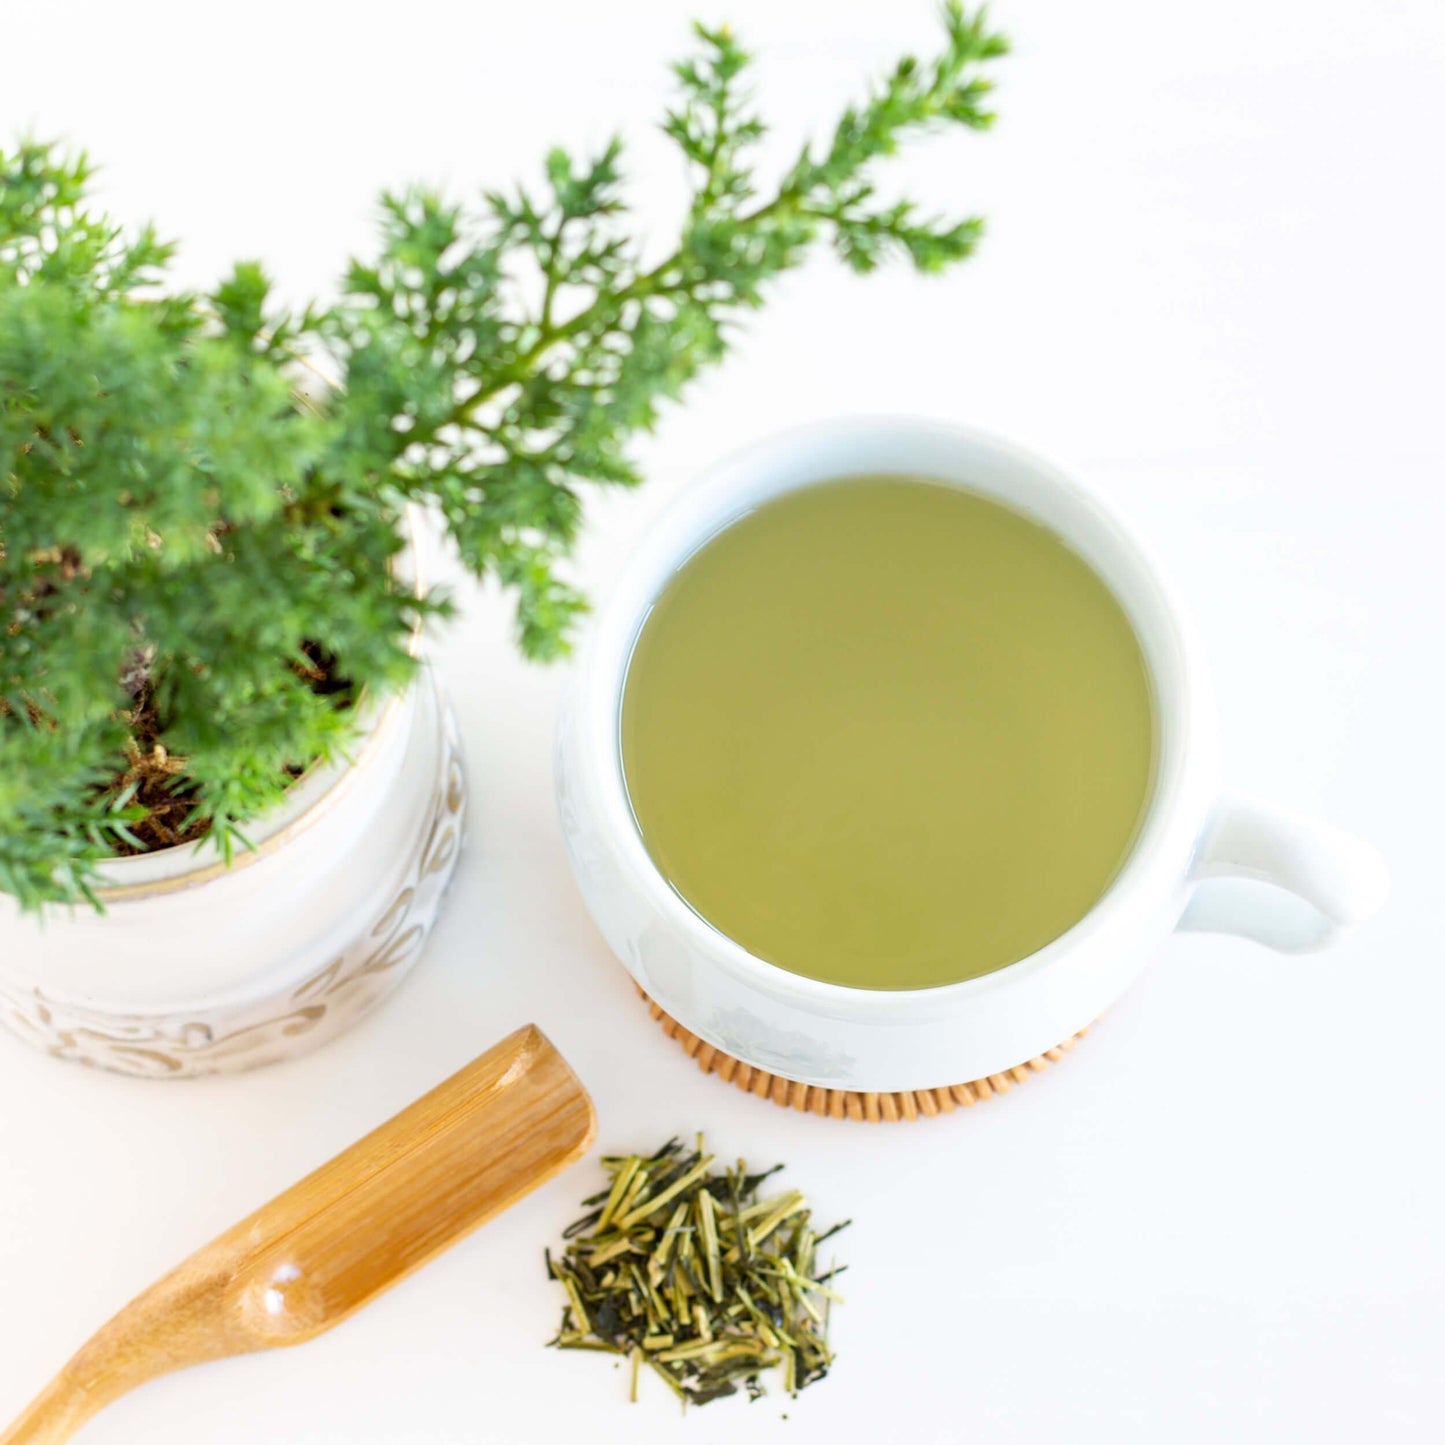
158,774
154,771
320,671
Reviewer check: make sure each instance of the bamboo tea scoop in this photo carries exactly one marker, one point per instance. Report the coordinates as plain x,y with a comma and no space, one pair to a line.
304,1262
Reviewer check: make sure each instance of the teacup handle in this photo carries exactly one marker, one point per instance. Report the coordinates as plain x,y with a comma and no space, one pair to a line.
1336,879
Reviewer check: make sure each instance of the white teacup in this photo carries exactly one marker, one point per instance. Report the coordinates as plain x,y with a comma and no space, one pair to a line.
1195,845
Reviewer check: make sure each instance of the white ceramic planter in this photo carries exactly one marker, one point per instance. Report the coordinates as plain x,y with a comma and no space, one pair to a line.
199,968
863,1039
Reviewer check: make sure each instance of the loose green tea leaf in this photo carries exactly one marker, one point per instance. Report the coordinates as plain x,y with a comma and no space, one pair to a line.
687,1271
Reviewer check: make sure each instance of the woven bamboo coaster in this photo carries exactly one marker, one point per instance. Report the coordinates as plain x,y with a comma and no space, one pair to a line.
845,1103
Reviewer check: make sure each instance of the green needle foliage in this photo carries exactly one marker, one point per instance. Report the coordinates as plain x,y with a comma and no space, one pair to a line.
197,539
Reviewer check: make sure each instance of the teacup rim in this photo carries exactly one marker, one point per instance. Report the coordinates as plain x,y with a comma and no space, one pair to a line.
1185,782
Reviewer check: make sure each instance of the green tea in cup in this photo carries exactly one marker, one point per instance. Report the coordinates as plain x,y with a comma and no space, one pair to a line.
887,733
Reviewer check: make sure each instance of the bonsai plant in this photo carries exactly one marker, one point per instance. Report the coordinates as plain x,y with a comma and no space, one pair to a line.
204,600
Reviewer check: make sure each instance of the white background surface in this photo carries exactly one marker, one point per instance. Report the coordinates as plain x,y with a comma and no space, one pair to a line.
1213,285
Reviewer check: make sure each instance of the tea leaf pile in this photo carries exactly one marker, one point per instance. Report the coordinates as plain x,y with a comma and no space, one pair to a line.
688,1271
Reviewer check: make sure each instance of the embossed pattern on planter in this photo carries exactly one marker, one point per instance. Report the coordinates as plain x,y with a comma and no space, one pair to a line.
286,1023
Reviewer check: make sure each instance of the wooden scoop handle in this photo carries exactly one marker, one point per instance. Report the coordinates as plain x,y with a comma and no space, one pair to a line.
315,1254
